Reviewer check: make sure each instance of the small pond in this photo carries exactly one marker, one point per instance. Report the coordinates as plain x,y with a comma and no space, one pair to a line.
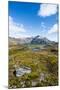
35,49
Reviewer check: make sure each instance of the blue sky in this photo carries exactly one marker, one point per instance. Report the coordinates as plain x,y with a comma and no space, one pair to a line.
31,19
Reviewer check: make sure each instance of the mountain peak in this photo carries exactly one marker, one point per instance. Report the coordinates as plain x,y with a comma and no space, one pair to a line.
38,37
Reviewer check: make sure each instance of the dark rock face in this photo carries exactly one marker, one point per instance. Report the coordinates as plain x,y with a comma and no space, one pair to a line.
39,40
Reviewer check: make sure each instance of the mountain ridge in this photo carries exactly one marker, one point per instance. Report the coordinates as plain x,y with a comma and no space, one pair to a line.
31,40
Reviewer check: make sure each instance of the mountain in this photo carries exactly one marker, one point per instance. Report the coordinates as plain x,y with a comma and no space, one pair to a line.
40,40
30,40
19,40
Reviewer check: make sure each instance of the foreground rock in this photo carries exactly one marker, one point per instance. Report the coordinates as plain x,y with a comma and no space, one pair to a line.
22,70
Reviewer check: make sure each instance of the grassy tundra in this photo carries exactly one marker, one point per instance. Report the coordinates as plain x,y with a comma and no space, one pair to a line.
43,64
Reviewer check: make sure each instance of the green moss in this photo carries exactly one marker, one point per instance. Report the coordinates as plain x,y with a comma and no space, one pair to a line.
39,62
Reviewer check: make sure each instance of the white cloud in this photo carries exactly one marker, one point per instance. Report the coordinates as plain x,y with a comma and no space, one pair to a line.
15,28
54,29
47,10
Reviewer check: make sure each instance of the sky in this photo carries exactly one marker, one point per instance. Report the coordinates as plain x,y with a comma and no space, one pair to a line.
32,19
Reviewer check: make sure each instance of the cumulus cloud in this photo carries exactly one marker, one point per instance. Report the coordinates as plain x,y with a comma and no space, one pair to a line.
15,28
47,10
54,29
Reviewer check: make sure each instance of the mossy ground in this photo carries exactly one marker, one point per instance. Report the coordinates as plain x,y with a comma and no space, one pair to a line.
43,61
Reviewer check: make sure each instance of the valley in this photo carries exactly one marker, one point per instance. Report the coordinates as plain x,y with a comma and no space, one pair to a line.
33,64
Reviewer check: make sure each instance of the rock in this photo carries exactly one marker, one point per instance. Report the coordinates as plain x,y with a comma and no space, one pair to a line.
22,70
42,77
34,82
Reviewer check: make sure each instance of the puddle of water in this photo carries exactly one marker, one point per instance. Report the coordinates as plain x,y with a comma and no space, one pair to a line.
35,49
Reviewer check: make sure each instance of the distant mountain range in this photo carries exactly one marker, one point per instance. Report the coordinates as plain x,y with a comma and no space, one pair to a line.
30,40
